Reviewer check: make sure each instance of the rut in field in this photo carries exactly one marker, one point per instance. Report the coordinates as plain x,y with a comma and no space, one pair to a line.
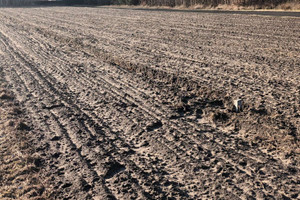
126,105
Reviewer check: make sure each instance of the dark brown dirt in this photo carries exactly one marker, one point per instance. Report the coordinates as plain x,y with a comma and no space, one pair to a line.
129,104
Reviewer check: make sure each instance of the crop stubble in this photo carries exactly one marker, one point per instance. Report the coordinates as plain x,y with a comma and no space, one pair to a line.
135,104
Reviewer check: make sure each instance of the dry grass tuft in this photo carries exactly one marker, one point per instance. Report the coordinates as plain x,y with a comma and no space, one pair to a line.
19,173
292,6
289,6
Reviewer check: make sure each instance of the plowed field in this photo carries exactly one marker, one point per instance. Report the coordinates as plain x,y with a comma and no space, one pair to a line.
131,104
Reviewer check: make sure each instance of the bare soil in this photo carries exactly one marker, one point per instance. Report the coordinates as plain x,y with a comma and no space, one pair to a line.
130,104
19,165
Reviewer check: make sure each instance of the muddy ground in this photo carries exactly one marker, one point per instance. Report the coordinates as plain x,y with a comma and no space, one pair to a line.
130,104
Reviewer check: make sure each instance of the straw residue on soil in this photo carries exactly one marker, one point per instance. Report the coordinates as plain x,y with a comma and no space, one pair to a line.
19,168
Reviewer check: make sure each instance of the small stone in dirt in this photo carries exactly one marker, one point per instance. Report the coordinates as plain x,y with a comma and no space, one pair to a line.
23,127
238,105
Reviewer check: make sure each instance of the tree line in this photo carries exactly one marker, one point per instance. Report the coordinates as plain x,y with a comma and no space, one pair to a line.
15,2
171,3
188,3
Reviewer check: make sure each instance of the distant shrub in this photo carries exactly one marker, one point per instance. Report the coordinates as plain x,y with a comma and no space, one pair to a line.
127,2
